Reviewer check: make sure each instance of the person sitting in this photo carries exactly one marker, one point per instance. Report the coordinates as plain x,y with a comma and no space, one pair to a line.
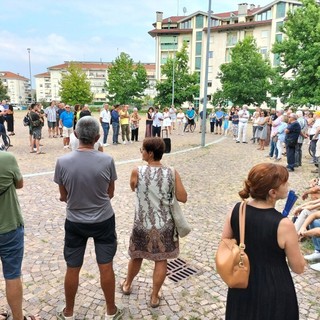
311,228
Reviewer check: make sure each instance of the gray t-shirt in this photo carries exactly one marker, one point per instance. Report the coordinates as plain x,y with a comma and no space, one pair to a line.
86,175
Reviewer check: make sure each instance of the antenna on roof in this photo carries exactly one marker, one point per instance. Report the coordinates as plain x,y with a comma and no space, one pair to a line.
184,10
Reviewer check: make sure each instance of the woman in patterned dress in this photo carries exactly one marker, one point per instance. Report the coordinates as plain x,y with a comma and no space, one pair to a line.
153,229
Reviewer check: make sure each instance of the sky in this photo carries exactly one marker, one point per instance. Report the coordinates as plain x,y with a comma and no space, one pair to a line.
86,30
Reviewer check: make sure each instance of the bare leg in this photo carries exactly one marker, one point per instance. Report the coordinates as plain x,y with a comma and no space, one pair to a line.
107,281
134,266
14,297
71,282
159,275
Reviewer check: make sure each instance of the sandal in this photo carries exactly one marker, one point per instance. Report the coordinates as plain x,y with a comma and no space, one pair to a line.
60,315
155,305
125,292
117,316
4,315
41,152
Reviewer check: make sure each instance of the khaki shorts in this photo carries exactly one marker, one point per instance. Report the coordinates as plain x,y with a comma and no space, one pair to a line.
67,132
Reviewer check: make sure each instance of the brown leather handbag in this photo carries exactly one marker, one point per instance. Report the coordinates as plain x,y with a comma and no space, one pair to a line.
232,263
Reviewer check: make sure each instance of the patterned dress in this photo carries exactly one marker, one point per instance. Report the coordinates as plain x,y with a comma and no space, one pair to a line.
153,228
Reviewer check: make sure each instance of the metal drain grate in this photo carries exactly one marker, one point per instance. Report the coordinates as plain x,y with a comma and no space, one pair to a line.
178,270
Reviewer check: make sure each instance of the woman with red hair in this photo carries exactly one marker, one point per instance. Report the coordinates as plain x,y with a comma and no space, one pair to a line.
270,240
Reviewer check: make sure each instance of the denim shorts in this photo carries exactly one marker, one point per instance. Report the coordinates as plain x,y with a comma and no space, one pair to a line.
77,234
11,253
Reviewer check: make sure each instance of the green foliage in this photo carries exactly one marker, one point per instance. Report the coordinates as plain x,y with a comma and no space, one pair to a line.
3,92
75,88
126,80
247,78
300,56
186,85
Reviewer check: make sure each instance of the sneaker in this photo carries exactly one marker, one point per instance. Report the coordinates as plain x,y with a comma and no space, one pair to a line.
237,141
313,256
124,142
105,144
315,266
60,315
116,316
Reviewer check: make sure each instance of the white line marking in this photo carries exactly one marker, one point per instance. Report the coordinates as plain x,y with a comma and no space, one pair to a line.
30,175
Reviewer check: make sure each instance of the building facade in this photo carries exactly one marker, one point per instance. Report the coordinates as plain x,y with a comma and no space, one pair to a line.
227,29
18,87
48,83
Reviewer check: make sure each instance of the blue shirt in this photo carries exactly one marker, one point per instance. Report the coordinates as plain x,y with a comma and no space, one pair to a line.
66,118
190,114
219,114
115,116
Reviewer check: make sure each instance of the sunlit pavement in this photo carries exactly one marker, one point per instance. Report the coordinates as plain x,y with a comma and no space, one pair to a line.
212,176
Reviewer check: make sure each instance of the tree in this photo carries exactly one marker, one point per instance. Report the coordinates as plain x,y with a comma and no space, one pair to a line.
126,80
186,85
247,78
75,88
3,92
299,55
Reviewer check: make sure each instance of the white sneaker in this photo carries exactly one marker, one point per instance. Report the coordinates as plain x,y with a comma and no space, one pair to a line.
105,144
315,266
124,142
313,256
65,147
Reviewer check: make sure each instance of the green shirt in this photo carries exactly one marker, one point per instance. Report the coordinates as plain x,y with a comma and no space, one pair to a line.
10,211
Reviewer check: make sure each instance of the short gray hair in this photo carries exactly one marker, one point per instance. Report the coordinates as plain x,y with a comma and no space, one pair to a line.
87,129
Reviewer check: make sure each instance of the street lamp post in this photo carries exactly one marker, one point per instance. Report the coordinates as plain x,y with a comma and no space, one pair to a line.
28,49
173,69
205,95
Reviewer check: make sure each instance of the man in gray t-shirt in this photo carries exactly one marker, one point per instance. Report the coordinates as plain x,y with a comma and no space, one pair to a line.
86,179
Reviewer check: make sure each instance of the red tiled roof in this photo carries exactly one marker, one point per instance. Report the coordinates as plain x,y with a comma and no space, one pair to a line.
43,75
174,19
224,15
11,75
83,65
241,25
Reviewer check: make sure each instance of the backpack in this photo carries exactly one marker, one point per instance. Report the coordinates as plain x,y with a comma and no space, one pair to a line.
26,120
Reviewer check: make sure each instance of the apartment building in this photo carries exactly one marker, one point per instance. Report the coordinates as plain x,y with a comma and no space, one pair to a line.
227,29
18,87
48,83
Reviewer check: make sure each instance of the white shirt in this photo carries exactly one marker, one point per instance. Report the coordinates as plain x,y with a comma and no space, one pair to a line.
105,116
157,118
243,116
315,126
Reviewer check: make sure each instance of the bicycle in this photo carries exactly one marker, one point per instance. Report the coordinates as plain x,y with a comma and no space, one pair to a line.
5,142
192,127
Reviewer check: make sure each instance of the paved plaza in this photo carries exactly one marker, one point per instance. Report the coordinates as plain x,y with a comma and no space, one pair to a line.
212,175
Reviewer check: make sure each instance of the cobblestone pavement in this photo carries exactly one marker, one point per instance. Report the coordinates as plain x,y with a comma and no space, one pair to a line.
212,176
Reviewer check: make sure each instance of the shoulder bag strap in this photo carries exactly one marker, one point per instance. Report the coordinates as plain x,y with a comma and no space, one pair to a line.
242,221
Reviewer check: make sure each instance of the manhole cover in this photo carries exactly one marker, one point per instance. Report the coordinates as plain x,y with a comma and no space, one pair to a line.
177,270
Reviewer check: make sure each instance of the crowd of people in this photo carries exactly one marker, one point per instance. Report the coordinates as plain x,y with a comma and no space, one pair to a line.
272,241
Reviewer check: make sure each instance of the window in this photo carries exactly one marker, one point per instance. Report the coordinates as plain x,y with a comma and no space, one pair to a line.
279,37
199,21
210,54
199,36
279,26
276,59
214,22
185,24
198,63
281,10
209,84
228,55
232,39
264,16
169,43
264,52
264,34
198,48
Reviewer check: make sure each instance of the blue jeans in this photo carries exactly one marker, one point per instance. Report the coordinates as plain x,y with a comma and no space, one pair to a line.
11,252
273,149
3,134
316,240
105,127
115,128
